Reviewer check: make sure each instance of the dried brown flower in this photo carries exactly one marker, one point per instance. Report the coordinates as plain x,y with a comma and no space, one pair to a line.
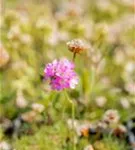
120,130
76,46
111,116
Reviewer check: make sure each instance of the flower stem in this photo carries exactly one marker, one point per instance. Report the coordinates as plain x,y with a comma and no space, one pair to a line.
92,79
74,55
73,118
92,82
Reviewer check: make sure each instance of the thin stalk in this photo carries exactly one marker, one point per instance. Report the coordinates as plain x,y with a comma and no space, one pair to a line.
73,117
74,55
92,80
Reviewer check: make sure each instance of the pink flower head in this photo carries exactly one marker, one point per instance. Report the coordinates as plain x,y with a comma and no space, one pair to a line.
61,74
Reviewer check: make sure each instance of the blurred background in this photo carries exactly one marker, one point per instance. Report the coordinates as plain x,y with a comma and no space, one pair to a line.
34,33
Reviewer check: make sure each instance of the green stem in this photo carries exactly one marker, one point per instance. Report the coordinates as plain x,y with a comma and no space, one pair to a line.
73,117
74,55
92,81
63,112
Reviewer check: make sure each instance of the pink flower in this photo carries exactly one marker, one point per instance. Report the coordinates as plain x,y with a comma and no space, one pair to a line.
61,74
